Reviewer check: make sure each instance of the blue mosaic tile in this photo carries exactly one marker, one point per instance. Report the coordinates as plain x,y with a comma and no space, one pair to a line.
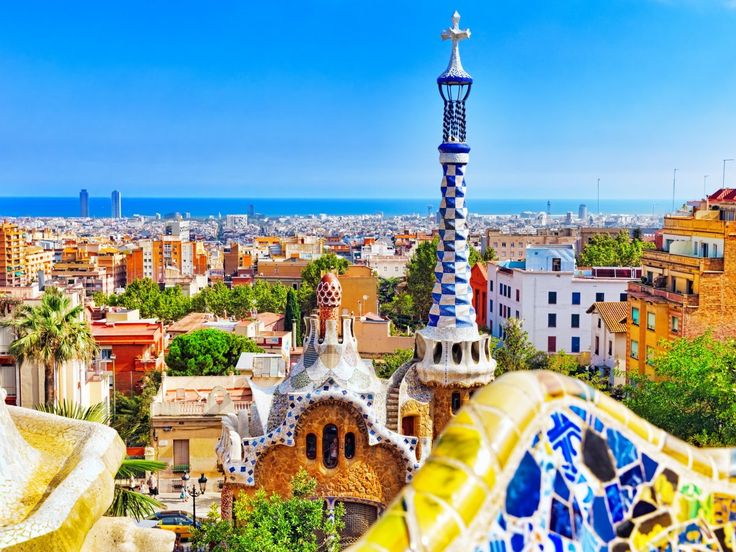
522,496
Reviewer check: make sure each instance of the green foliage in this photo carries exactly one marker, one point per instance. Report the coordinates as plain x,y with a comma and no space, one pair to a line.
132,414
293,316
621,250
397,304
516,351
568,365
489,254
240,301
69,409
51,333
207,352
146,296
274,524
312,273
392,361
420,277
473,256
691,394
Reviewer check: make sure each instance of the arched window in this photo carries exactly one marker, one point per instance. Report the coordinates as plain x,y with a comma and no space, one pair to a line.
311,446
330,446
456,402
349,445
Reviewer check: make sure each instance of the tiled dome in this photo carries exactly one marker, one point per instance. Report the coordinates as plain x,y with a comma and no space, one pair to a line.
329,291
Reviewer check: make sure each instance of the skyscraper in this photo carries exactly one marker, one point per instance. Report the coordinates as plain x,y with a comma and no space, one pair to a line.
117,204
583,212
83,204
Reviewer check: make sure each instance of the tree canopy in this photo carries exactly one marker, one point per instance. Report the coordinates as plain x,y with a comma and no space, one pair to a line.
516,351
619,250
691,391
272,523
420,277
312,273
207,352
145,295
51,333
392,361
293,316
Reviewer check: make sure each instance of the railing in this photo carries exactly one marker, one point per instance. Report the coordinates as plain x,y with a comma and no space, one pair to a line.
702,264
190,408
684,299
180,468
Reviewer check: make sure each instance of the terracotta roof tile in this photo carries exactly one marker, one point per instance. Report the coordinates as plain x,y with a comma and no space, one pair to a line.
613,313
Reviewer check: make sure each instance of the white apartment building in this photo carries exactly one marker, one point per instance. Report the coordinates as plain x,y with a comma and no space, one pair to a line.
393,266
608,338
551,296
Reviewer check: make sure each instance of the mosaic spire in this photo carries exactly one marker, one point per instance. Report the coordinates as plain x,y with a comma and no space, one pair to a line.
452,315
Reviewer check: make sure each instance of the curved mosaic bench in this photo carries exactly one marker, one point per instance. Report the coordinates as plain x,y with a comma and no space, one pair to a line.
541,461
56,479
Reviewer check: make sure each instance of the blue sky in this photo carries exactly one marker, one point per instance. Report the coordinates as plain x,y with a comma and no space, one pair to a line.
337,98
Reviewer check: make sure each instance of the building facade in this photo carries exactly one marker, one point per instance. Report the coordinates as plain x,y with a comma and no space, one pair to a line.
608,339
551,296
688,285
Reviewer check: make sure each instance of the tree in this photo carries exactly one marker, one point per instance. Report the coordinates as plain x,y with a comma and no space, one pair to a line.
126,502
621,250
473,256
293,316
400,310
568,365
132,414
420,277
489,254
207,352
691,391
312,273
393,361
270,297
275,524
215,299
145,295
516,351
51,333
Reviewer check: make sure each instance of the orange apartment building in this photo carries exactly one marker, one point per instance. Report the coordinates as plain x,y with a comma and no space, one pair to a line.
131,347
12,273
235,257
154,258
688,285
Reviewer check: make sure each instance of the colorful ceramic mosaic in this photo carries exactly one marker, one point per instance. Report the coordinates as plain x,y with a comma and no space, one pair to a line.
539,461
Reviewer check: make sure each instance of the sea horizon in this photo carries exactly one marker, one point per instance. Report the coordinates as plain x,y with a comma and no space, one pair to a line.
203,207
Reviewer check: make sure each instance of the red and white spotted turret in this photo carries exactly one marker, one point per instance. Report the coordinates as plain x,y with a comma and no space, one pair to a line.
329,298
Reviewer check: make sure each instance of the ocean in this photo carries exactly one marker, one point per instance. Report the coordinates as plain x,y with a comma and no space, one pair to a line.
203,207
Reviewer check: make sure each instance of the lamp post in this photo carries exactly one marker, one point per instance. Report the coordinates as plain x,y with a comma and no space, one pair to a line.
194,492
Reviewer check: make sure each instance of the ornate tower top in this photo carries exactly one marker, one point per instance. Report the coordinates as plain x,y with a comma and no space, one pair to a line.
455,73
454,85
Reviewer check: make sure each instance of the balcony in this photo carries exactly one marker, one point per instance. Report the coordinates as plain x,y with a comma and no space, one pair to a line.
191,408
663,259
646,291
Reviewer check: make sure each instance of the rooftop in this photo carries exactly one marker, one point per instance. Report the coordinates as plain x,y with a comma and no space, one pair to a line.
613,313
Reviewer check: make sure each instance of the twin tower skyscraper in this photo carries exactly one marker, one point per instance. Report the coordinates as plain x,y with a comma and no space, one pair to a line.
116,204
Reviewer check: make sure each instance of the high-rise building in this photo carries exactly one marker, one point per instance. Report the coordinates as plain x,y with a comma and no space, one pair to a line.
12,271
83,204
583,212
117,205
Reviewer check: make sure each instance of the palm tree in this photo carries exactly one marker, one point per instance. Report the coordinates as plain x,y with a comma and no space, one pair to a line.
126,502
51,333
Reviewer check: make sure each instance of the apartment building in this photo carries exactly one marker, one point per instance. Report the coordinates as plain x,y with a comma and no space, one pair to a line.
689,283
552,296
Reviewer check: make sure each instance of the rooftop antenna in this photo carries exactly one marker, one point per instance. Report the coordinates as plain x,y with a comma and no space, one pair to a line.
674,182
723,182
705,185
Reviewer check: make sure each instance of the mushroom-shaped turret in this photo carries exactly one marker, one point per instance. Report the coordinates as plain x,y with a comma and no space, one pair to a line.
329,298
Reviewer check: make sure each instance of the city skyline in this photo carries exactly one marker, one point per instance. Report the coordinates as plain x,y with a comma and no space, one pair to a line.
105,99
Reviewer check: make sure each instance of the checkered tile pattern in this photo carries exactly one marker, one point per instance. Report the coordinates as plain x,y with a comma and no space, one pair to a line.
452,296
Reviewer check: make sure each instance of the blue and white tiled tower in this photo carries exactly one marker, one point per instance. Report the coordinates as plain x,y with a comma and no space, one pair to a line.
450,349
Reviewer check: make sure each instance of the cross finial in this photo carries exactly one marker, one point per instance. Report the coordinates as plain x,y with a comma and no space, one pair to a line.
455,33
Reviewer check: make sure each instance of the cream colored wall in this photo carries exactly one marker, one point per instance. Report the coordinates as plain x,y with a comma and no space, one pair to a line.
202,433
374,338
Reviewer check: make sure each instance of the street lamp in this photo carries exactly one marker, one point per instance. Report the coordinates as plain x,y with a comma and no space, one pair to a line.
194,492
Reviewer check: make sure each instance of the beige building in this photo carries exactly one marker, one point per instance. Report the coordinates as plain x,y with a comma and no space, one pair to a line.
389,266
186,421
513,246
